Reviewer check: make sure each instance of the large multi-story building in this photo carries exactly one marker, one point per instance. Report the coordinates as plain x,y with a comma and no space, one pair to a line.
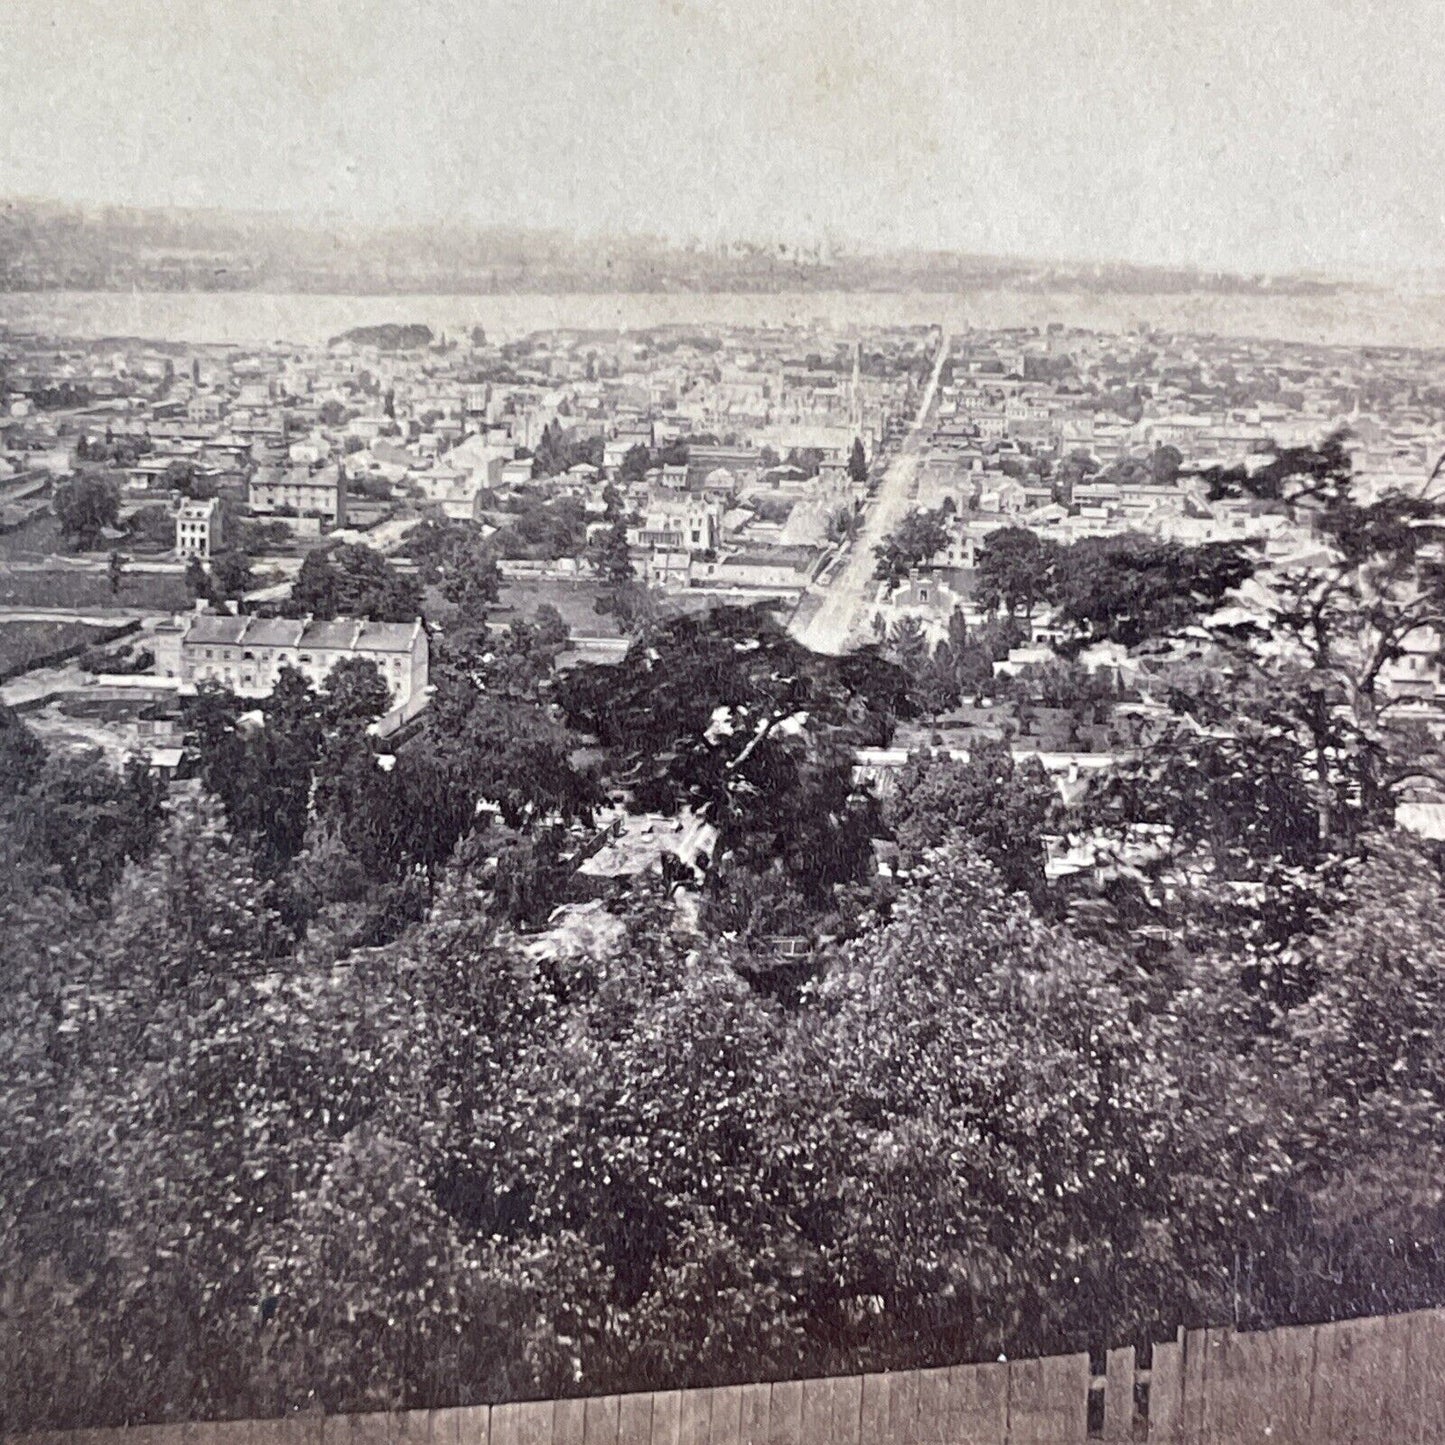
684,524
297,492
198,528
246,654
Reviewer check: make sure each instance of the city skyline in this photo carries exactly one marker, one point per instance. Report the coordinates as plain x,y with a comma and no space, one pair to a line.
1213,135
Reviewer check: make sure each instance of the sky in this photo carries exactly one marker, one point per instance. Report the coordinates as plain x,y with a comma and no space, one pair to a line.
1245,135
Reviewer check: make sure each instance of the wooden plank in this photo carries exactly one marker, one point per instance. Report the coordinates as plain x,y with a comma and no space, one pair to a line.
306,1428
847,1409
932,1422
463,1425
666,1417
535,1422
978,1404
902,1408
817,1412
1362,1396
412,1427
873,1416
785,1414
1217,1398
1423,1403
1397,1344
569,1423
1289,1396
634,1419
725,1420
1250,1365
755,1403
504,1425
1166,1393
1048,1401
1119,1394
365,1428
231,1432
1191,1408
598,1424
1327,1377
693,1417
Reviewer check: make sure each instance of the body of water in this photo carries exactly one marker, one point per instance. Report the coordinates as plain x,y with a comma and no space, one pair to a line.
1363,317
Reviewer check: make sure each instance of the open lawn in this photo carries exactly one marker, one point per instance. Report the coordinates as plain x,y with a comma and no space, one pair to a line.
574,600
38,538
160,591
30,644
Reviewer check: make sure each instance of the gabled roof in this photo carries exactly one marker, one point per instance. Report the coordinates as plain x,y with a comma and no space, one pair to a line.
388,636
226,631
274,632
339,635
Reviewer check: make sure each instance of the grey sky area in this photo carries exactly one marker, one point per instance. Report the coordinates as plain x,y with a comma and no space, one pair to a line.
1288,134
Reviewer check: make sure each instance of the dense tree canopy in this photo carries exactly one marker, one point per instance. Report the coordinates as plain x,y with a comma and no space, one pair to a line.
352,580
85,506
311,1100
918,538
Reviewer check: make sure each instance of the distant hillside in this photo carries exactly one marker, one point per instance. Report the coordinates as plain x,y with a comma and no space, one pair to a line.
391,336
47,246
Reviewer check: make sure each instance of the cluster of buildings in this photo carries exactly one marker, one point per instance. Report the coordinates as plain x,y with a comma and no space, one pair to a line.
712,438
737,457
1075,434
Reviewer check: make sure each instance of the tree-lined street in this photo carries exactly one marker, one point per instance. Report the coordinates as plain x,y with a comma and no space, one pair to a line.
838,622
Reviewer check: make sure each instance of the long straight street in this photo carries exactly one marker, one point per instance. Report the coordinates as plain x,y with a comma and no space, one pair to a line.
839,623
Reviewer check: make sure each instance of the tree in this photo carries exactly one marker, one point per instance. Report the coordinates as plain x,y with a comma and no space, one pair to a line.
858,462
198,580
550,457
231,573
728,717
916,539
1164,464
352,580
472,582
1004,809
154,525
74,820
1131,589
610,555
85,507
636,461
183,477
354,693
1016,571
908,644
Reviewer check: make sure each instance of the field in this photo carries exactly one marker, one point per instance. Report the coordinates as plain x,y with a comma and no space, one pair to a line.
574,600
29,644
158,591
36,538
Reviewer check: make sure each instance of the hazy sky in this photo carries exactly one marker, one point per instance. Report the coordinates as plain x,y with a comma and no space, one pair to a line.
1248,134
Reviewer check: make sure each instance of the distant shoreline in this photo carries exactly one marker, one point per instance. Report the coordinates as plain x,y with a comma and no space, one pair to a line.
1350,316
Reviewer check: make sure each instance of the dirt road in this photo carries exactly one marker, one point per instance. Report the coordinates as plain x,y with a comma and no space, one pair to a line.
841,621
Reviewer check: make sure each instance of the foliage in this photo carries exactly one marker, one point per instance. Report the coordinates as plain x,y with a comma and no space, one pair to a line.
1131,589
1016,571
1002,808
351,580
917,538
231,573
154,525
85,507
857,462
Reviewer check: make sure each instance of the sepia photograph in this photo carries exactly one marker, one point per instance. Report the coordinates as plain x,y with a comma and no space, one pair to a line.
722,722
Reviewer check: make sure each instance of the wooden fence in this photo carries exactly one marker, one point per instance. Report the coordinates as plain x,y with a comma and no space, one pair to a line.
1361,1382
